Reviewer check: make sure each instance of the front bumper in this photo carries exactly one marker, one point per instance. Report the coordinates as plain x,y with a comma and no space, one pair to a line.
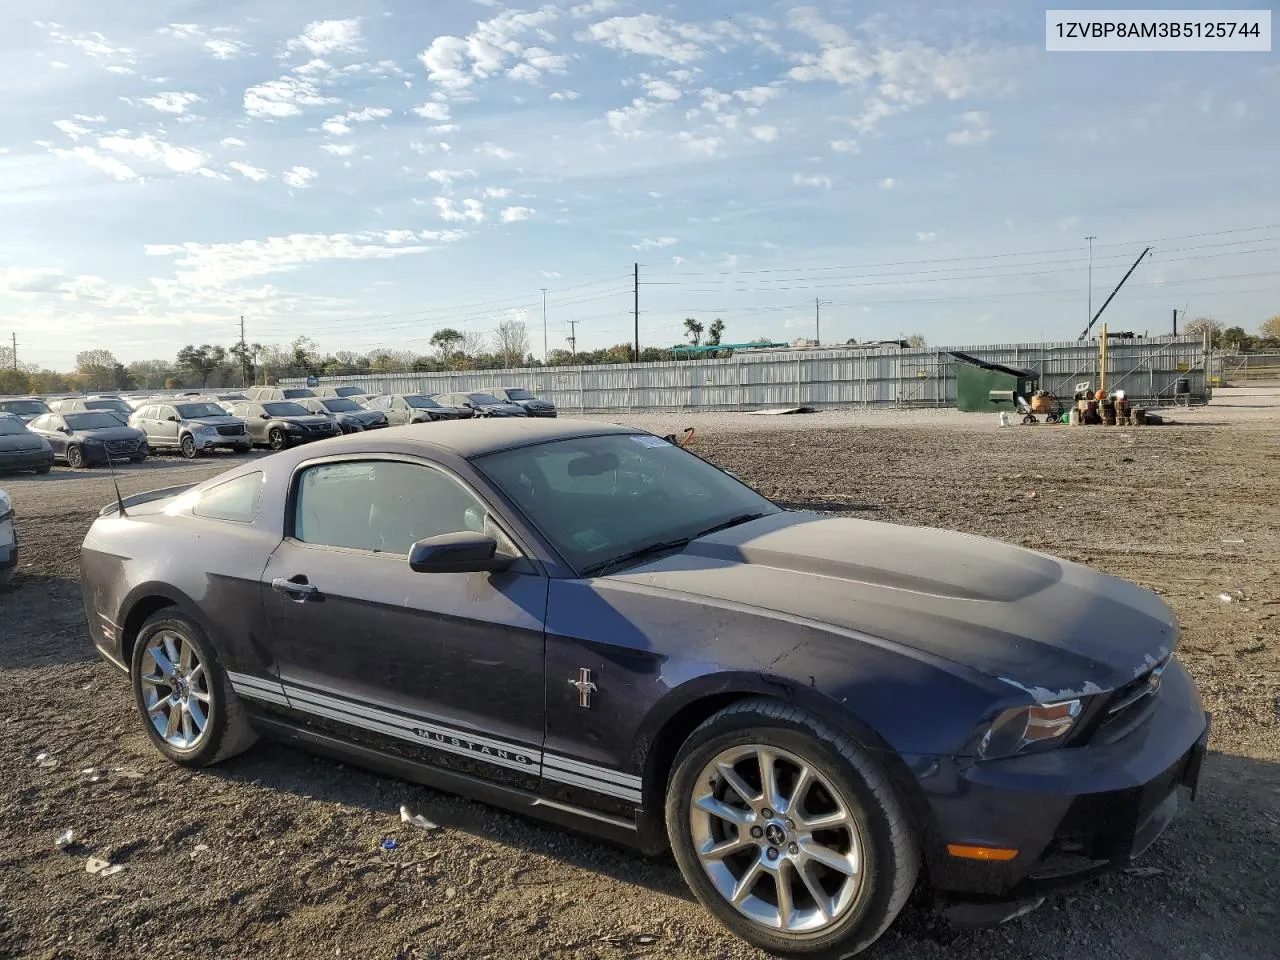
1069,813
540,413
26,460
8,547
216,441
97,454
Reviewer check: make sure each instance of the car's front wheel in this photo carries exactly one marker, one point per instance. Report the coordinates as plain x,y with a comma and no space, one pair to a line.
789,832
188,709
189,449
276,439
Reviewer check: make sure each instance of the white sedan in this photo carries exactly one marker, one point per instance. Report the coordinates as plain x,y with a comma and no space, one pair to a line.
8,540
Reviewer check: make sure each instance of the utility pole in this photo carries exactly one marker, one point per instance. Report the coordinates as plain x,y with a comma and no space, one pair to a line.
244,355
1089,315
1175,321
14,337
636,359
573,339
545,353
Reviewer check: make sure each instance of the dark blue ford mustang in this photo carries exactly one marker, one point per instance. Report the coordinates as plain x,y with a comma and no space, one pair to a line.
596,626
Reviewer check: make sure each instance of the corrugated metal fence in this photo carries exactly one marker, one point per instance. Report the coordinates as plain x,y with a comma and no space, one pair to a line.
1145,369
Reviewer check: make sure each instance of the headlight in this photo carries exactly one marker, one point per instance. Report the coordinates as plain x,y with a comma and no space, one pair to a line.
6,508
1025,729
293,428
206,430
91,442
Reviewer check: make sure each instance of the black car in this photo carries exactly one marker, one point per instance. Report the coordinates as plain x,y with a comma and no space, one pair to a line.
25,408
405,408
279,424
594,625
351,417
85,438
523,398
20,449
483,405
192,427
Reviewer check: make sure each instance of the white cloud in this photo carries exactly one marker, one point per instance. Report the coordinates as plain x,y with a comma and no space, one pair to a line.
298,177
650,35
845,146
147,147
341,124
172,102
497,193
805,180
706,146
329,36
591,9
339,149
471,210
888,183
224,49
758,96
368,114
248,171
233,142
767,134
214,265
221,46
628,121
336,126
549,274
455,63
662,90
431,110
285,97
975,130
32,280
73,130
446,178
927,236
501,153
1068,223
654,243
108,165
544,60
97,47
516,214
565,95
444,128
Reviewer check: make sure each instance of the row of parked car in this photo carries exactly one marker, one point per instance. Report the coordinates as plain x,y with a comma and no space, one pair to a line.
84,431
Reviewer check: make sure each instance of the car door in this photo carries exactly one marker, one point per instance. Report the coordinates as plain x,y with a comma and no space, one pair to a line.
251,414
444,669
167,423
399,414
48,426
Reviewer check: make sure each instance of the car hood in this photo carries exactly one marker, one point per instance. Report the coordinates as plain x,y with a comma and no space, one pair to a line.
311,419
1049,627
535,404
364,416
108,433
22,442
511,409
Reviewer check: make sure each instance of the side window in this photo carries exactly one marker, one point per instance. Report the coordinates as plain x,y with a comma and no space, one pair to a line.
236,500
144,413
381,505
167,412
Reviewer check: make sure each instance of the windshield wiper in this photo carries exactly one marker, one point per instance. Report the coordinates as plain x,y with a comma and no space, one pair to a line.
600,569
731,522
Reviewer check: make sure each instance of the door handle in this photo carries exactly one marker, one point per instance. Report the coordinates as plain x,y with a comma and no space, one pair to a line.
299,592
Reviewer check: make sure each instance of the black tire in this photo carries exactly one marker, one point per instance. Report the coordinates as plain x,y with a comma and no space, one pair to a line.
75,457
227,731
137,459
276,439
890,852
188,447
245,448
45,469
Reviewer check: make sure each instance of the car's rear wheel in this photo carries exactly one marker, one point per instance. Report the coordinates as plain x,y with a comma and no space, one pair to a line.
188,446
187,706
789,832
75,457
276,439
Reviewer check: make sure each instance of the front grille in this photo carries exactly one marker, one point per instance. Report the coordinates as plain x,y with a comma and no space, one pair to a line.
122,446
234,430
1127,707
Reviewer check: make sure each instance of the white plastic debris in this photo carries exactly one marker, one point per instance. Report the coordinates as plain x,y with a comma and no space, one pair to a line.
199,849
1004,419
65,839
1226,598
45,761
417,820
102,868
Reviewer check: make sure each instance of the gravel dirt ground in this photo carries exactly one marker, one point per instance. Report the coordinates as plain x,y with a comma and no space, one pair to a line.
278,854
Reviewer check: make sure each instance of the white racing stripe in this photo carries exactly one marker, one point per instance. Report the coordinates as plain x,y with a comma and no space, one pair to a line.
428,732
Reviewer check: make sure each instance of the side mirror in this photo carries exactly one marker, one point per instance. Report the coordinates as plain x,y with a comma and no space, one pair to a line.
456,553
264,416
172,419
64,429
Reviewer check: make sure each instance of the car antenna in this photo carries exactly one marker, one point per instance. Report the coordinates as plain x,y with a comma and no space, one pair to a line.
115,483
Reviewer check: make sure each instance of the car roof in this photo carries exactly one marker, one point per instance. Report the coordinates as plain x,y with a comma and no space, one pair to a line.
476,437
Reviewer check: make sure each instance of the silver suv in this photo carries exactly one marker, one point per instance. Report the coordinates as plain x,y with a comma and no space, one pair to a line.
193,427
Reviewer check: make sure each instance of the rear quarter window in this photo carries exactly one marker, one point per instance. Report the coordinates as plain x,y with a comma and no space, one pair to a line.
235,500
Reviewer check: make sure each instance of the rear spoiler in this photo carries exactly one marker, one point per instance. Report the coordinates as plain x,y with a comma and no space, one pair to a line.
148,497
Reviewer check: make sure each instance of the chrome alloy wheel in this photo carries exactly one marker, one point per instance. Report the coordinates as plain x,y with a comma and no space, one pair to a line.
777,839
175,689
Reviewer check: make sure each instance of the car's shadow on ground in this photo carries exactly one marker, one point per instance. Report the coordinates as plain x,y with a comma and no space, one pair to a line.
1238,810
54,604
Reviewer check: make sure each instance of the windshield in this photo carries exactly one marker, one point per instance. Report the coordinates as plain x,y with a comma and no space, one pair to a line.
10,427
341,406
349,391
600,498
296,393
519,394
194,411
280,409
421,403
483,398
91,421
109,404
24,408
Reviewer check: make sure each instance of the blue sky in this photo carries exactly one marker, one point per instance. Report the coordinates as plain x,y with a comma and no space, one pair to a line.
366,172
